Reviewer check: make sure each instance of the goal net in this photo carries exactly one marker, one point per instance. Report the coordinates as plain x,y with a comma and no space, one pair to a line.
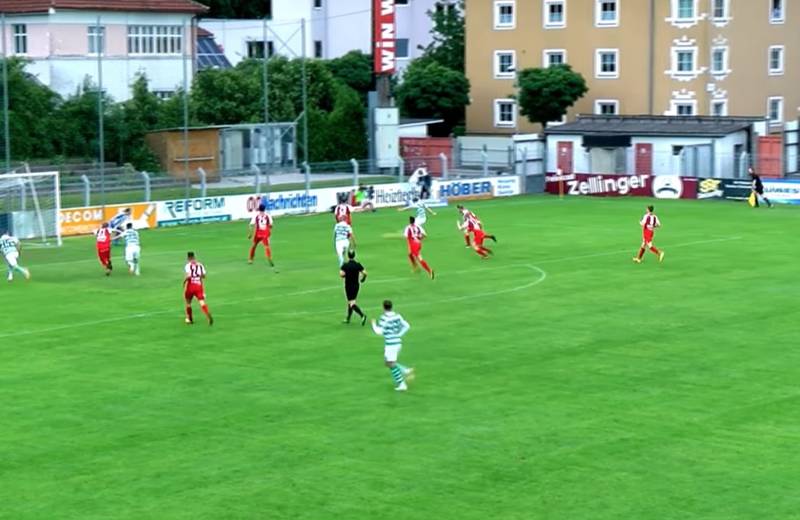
30,206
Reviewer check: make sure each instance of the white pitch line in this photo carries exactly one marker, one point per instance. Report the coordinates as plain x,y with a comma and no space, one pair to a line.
298,293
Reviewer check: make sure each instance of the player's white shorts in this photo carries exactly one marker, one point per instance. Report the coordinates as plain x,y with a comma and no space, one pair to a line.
132,253
11,259
390,353
420,221
342,247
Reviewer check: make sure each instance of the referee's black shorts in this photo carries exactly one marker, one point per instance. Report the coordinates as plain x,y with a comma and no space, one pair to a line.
351,291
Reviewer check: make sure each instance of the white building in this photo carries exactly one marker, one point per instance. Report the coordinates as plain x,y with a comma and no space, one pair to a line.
333,28
67,40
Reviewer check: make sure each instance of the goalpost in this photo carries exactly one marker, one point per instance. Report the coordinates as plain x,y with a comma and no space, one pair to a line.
30,206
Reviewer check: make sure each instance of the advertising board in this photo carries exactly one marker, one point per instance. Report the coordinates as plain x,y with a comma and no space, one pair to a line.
782,191
84,221
659,186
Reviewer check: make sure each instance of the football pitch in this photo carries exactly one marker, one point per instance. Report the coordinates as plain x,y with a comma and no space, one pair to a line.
556,380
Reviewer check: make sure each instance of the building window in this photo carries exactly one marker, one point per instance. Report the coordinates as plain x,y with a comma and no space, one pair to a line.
401,48
719,108
155,39
776,60
164,94
719,60
606,63
683,108
400,2
318,48
505,113
318,4
719,9
440,7
606,107
554,57
505,64
777,11
20,31
555,13
685,9
97,39
255,49
504,15
775,110
606,13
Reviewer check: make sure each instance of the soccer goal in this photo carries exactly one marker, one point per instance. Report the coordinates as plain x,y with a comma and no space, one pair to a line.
30,206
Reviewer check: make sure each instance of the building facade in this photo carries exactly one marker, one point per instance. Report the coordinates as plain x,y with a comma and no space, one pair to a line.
70,42
333,28
652,57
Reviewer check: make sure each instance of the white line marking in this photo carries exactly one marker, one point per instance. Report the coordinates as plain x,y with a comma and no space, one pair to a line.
542,277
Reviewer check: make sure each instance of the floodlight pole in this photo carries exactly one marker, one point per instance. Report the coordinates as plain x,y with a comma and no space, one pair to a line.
6,134
186,118
101,155
305,91
265,73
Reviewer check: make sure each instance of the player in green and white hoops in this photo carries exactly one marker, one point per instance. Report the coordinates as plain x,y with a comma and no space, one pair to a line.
133,249
421,209
343,240
9,246
392,327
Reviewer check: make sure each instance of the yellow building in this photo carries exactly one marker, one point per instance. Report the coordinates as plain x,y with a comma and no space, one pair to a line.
654,57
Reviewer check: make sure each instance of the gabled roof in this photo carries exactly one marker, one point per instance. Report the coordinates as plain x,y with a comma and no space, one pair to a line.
665,126
159,6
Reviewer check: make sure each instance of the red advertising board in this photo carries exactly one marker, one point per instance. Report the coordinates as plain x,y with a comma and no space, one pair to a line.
659,186
424,151
384,32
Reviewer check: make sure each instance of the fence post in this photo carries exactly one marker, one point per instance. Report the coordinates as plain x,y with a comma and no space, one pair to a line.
307,171
22,194
458,159
355,172
146,179
445,169
485,162
524,162
512,158
401,169
203,177
257,174
87,190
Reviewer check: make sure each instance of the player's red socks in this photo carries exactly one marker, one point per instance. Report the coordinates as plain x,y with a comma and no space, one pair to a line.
252,252
268,252
189,313
655,250
641,253
413,260
425,266
204,308
483,252
466,239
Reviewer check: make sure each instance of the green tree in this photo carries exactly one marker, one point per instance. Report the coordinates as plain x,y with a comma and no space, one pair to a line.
432,90
340,134
354,69
77,122
171,111
32,133
129,122
447,47
545,94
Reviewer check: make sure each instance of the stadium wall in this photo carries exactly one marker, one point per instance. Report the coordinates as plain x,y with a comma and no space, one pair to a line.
81,221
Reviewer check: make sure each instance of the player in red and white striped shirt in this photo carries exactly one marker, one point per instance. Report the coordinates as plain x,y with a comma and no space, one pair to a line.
474,226
193,288
414,236
649,224
342,213
465,215
104,237
261,223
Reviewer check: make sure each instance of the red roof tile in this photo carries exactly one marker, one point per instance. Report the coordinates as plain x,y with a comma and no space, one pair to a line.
162,6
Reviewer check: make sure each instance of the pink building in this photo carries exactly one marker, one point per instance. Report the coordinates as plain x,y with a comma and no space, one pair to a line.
68,42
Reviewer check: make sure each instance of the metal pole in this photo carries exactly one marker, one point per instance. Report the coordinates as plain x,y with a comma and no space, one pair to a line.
355,172
265,79
305,91
6,134
186,119
257,179
445,169
87,190
147,191
202,174
100,123
307,169
401,169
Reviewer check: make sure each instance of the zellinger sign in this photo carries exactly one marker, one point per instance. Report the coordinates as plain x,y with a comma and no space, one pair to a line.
604,185
384,32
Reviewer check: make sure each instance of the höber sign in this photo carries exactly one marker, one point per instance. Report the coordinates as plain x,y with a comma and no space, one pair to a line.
384,33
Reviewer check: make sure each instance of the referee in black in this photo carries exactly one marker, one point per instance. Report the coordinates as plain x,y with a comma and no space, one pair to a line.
354,275
758,187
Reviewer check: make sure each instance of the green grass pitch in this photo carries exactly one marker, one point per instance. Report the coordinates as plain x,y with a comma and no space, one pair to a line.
557,380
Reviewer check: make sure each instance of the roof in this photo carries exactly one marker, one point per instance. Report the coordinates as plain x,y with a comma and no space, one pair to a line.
411,121
653,126
209,53
204,33
43,6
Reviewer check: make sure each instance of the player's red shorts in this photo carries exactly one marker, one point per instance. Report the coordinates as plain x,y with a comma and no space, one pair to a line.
104,255
647,236
262,238
414,248
194,291
478,237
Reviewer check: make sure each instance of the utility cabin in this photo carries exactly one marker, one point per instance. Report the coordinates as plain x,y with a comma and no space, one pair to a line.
653,145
